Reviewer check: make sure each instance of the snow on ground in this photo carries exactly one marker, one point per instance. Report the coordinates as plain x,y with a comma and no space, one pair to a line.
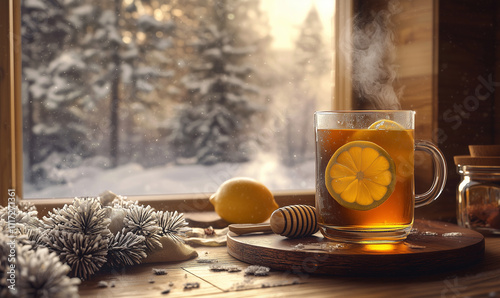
133,179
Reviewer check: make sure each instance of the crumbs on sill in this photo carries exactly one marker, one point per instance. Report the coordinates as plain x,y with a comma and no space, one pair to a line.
159,271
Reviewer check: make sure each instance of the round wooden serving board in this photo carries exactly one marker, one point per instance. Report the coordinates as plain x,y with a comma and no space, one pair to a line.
431,247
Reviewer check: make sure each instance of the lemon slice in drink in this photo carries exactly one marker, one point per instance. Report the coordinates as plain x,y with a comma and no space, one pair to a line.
389,135
385,124
360,175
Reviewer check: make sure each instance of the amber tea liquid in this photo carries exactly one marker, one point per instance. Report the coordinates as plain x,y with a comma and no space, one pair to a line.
392,220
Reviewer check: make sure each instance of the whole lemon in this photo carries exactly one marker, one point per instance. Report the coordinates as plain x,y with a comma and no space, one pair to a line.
243,200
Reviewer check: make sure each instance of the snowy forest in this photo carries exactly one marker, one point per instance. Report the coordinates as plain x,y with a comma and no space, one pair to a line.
167,96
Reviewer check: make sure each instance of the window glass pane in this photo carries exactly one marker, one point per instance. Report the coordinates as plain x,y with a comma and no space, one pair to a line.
163,97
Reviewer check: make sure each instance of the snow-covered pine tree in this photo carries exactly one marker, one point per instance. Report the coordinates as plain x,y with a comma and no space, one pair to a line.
311,62
127,50
217,120
54,123
311,56
82,62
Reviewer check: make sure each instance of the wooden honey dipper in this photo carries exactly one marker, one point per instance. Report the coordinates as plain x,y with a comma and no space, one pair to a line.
292,221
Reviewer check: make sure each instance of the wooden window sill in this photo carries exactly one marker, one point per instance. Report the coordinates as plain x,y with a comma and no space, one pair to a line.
180,203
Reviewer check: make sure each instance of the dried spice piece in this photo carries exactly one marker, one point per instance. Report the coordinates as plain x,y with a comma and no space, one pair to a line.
209,231
280,283
209,261
191,285
228,268
257,270
217,268
494,220
102,284
484,215
249,284
160,271
231,269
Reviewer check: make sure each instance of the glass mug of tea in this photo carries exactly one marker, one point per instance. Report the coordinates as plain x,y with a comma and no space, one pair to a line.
365,175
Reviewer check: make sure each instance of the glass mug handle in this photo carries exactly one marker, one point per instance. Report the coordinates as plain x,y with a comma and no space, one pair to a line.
440,173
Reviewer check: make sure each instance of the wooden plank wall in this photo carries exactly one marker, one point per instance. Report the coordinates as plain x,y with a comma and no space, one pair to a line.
414,39
468,52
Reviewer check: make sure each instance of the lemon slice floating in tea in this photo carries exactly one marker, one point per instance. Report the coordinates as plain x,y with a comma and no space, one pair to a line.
386,124
360,175
391,136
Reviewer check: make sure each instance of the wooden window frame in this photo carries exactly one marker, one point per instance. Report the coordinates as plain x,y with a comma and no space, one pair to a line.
10,102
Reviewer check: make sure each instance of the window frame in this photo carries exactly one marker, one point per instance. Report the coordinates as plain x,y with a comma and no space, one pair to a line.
11,150
10,103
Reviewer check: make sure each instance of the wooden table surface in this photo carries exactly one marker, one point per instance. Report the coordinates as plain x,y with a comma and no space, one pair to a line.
479,280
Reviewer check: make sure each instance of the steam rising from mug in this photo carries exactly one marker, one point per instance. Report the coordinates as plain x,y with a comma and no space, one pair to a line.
372,61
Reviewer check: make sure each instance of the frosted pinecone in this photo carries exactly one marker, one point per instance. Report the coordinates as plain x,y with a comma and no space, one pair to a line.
4,252
29,218
35,237
85,216
142,221
171,224
126,248
41,274
85,254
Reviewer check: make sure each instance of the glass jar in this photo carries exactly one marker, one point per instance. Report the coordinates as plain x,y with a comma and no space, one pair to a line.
478,198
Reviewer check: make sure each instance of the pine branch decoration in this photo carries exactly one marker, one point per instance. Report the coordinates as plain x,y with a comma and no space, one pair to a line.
35,237
142,221
29,218
171,224
85,254
4,252
126,248
79,236
85,216
30,236
41,274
